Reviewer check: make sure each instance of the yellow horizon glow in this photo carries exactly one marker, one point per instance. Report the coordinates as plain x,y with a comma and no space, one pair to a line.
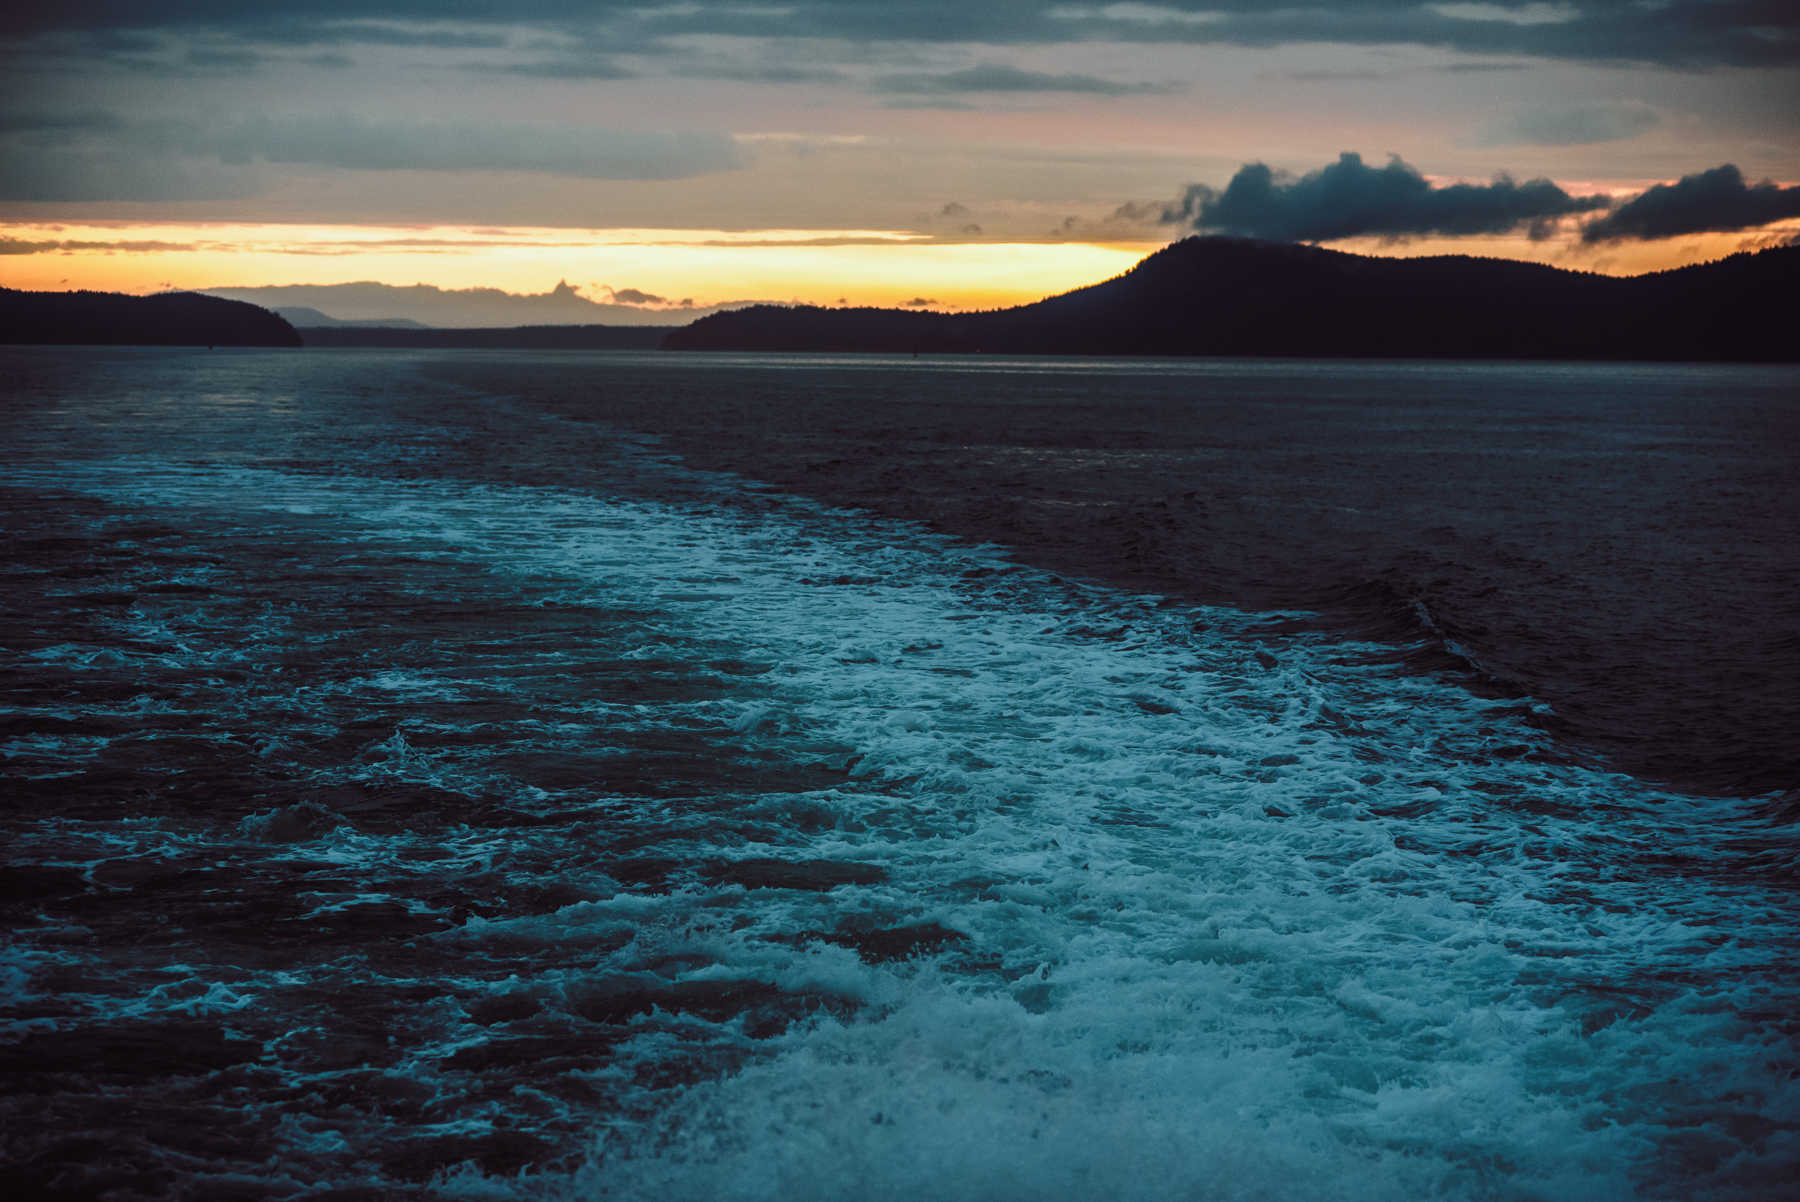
863,267
860,267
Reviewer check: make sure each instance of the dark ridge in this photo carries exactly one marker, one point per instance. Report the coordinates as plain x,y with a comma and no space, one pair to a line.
519,338
1239,296
114,319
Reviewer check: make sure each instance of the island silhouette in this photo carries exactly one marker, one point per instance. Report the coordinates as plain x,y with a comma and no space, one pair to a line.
115,319
1240,296
1200,296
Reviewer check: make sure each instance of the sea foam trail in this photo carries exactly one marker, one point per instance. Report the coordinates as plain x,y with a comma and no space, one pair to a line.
1105,897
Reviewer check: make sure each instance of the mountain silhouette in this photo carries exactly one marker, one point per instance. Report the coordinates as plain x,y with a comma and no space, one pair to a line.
303,318
114,319
1239,296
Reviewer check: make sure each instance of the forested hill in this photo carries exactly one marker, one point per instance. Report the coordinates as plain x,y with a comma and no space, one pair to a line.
114,319
1234,296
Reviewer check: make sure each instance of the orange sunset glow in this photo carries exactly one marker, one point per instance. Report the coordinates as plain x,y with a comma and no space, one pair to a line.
704,267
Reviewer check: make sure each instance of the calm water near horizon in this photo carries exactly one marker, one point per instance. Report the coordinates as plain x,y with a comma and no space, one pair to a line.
635,776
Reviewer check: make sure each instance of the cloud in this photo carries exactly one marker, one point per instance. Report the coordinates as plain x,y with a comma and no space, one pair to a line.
1570,125
1687,33
198,56
940,103
224,61
22,246
1520,14
459,146
1716,201
30,173
1133,221
91,158
1480,68
298,30
557,68
43,121
773,74
1334,76
998,77
1350,198
631,296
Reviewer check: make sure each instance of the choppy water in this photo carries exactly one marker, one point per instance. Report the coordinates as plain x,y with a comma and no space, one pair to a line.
373,830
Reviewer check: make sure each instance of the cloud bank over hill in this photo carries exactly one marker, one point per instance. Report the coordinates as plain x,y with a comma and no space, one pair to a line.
472,307
1708,201
1349,198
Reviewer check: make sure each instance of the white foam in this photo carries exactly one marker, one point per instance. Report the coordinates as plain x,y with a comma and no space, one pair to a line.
1235,930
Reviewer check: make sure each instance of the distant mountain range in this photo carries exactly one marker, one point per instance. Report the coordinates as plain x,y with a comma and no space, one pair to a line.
517,338
393,306
303,318
114,319
1236,296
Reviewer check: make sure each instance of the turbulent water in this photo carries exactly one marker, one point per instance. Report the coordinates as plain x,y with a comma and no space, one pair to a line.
378,827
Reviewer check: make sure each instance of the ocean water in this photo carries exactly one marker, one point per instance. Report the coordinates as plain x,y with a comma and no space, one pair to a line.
392,811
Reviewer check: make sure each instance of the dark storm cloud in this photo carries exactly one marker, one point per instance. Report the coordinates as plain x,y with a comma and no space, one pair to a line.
98,158
997,77
1716,201
1692,33
1350,198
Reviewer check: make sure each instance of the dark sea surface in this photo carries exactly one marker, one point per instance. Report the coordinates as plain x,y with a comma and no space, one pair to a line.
622,775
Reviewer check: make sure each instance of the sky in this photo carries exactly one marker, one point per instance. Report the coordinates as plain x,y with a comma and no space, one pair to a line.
644,162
